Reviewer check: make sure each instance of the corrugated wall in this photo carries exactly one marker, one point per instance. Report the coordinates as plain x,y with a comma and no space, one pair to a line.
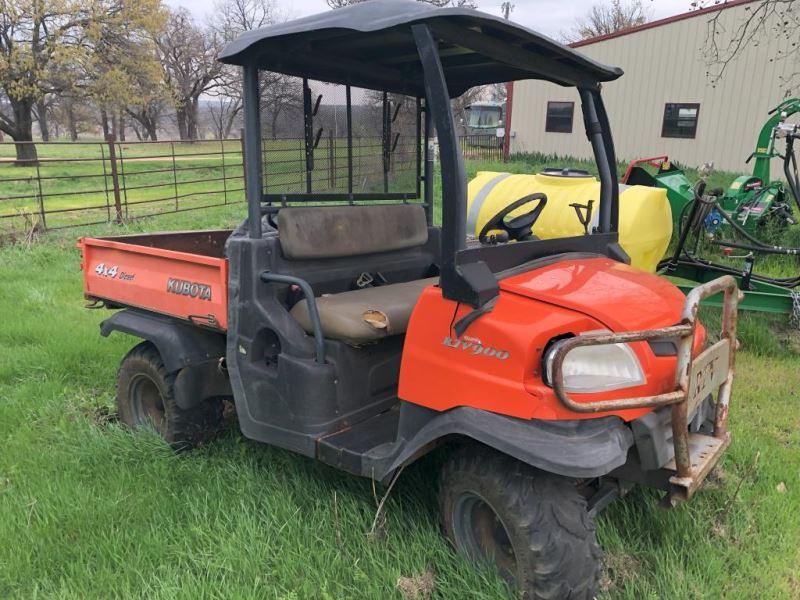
665,64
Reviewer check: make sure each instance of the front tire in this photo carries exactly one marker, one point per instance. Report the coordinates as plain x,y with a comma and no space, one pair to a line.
534,527
145,398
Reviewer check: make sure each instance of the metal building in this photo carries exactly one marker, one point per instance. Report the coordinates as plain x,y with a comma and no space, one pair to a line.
667,101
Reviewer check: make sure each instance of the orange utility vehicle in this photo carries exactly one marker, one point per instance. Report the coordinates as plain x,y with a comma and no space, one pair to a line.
360,334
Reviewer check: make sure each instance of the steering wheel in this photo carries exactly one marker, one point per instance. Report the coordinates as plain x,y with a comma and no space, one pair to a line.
517,228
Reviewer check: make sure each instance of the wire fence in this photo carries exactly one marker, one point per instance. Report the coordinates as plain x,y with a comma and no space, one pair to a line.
362,170
72,184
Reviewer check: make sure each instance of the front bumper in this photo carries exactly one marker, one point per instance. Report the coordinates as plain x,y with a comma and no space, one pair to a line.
652,434
695,454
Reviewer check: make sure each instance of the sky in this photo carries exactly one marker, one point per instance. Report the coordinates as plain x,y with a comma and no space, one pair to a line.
550,17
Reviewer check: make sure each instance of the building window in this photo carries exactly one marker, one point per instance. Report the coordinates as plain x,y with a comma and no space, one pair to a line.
559,117
680,120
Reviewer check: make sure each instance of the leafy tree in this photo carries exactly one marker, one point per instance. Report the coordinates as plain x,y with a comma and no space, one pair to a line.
124,77
607,18
42,40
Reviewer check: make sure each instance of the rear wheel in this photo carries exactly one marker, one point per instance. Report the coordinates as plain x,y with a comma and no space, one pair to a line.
533,527
145,398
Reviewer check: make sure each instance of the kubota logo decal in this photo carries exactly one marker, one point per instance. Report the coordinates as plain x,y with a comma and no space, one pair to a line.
475,348
189,288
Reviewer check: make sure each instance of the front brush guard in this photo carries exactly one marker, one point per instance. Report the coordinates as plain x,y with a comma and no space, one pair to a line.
695,378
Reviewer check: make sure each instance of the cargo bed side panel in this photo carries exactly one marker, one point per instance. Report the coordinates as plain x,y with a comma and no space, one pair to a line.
180,284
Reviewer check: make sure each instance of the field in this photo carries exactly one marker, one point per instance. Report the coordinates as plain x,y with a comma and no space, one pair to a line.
90,510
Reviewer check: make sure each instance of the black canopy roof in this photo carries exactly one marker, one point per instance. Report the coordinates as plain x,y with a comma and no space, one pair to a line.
370,45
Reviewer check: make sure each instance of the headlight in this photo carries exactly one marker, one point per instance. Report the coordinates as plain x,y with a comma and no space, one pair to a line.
599,368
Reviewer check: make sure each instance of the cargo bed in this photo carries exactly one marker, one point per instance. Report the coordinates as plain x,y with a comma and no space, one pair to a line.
181,274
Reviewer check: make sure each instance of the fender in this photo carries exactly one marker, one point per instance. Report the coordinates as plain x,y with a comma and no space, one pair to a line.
193,352
579,449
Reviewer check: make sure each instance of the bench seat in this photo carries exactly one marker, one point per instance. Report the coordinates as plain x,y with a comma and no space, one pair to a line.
367,315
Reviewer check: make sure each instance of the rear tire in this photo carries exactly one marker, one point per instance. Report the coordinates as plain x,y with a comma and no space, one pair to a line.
145,398
532,526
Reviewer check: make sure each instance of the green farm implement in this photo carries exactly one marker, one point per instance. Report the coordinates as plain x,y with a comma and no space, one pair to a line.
731,219
751,201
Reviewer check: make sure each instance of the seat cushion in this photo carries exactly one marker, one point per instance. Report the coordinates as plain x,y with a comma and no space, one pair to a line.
339,231
365,315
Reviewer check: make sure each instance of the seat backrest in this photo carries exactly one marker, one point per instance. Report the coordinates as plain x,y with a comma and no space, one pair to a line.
339,231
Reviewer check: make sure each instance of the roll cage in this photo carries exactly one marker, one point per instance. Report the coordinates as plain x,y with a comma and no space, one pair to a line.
432,54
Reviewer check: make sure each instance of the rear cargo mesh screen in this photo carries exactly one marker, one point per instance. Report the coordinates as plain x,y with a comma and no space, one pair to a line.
327,140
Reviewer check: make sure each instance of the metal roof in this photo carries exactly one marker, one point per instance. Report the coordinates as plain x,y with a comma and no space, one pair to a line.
370,45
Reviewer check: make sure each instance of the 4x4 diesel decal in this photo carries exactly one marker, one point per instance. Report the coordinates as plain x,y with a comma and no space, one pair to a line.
475,348
189,288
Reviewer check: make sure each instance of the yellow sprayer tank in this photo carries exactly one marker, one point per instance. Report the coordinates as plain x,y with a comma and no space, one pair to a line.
645,219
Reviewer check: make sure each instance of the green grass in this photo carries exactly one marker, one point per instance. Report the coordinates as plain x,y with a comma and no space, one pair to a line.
90,510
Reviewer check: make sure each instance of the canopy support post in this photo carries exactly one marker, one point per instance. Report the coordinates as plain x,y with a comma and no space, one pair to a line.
473,283
596,122
252,147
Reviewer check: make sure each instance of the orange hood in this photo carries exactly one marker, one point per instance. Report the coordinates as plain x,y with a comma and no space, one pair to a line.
621,297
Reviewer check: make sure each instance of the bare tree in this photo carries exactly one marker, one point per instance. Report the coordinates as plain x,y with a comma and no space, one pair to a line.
279,94
459,105
188,54
231,19
41,111
497,92
761,21
146,119
222,111
281,100
607,18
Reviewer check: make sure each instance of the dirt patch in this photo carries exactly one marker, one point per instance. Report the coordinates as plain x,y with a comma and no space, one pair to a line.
719,530
229,417
794,585
27,232
99,415
417,587
717,477
93,408
618,569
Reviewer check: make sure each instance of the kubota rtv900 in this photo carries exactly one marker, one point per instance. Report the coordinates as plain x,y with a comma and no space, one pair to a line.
350,329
